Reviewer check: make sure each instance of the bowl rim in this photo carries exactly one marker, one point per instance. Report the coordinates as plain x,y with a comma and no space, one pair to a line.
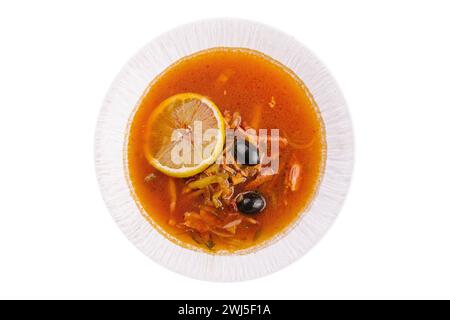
112,129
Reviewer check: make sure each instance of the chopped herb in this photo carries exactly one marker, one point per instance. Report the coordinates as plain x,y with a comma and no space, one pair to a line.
210,244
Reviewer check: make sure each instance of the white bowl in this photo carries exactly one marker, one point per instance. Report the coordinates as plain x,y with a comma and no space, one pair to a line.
122,99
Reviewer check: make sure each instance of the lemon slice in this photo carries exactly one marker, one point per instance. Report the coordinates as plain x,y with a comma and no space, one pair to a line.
184,135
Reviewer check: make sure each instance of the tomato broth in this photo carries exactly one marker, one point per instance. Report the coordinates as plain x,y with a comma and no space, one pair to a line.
261,94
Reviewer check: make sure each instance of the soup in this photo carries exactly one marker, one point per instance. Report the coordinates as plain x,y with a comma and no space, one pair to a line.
237,205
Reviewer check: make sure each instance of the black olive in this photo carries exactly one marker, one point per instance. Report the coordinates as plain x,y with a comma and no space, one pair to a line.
250,202
245,152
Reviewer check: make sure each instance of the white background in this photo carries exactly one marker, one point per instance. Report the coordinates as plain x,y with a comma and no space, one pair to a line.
391,58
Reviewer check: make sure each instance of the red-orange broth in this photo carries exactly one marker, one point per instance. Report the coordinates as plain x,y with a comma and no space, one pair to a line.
266,95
